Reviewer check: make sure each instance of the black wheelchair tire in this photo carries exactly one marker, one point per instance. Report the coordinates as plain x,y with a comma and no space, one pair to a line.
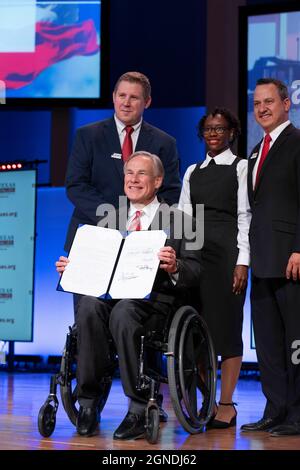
152,430
69,400
70,404
191,422
46,420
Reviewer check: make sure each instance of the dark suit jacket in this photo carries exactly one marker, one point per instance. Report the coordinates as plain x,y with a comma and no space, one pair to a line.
275,203
94,177
189,259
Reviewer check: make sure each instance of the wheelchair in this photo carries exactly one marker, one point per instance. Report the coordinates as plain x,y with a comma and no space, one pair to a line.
181,353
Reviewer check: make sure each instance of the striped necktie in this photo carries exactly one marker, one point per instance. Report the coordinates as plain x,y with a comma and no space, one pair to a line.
135,224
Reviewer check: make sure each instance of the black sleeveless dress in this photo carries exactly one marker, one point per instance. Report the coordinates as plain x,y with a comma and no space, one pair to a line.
216,187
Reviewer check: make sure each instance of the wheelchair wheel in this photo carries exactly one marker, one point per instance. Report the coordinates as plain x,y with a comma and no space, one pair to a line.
152,429
68,385
68,394
191,368
47,420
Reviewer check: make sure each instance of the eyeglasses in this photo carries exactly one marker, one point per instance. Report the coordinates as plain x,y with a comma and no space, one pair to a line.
218,130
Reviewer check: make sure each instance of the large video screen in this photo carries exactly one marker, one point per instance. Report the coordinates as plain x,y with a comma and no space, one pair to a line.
273,50
17,242
51,50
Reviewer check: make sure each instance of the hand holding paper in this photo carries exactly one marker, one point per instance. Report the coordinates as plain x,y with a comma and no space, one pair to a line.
103,264
167,256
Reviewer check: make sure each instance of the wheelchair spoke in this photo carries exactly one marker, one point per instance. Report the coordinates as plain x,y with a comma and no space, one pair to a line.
191,369
191,390
74,394
188,377
202,385
192,394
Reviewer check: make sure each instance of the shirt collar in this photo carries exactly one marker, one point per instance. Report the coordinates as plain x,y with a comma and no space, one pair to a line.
222,158
148,210
121,126
277,131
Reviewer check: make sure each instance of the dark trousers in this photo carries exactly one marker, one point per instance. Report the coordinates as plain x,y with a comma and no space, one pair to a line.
76,300
276,319
97,321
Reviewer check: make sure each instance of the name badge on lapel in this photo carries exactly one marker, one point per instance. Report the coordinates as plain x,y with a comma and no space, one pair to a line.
254,155
116,155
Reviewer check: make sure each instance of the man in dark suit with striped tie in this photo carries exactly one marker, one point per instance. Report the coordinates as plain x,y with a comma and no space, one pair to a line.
179,271
274,195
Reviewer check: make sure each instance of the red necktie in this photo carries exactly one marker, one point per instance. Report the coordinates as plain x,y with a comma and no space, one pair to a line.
135,224
127,148
264,153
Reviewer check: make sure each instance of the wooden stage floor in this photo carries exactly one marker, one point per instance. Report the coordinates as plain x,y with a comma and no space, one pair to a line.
22,394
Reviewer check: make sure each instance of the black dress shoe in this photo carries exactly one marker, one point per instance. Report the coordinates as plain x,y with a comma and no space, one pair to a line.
263,424
291,429
132,427
87,421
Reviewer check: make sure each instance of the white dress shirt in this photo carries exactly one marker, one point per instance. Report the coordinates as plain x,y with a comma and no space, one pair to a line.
274,135
148,213
243,207
121,131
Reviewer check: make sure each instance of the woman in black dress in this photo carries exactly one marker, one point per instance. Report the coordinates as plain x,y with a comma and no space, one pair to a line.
220,183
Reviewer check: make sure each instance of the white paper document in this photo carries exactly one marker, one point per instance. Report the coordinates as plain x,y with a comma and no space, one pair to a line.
105,264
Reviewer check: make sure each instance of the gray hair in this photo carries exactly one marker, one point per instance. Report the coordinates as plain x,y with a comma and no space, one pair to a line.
155,160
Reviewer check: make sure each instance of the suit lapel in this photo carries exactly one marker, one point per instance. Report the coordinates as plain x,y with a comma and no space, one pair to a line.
273,150
251,163
145,137
122,216
112,143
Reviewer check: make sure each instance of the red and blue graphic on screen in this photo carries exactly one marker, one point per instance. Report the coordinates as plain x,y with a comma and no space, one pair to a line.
65,62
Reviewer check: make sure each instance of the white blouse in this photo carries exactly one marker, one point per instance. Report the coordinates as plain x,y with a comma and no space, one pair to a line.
243,211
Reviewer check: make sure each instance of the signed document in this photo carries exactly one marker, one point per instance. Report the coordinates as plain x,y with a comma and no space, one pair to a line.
104,263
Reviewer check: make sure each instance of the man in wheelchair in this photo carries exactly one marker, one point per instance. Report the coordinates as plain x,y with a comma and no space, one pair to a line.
98,320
